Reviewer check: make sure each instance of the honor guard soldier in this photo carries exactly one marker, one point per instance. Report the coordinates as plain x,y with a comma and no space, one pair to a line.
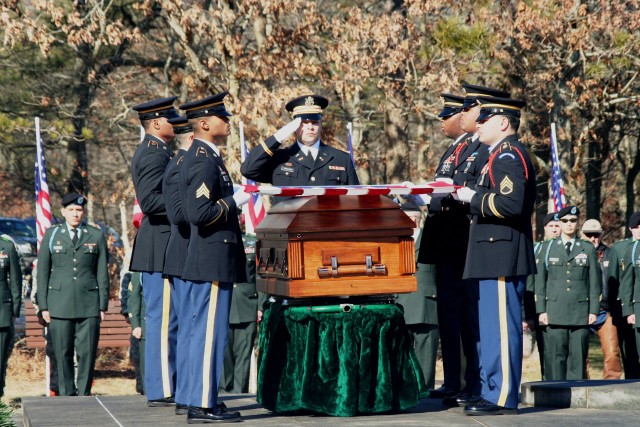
500,253
448,224
215,257
307,162
175,256
420,310
242,326
73,293
11,286
147,170
568,286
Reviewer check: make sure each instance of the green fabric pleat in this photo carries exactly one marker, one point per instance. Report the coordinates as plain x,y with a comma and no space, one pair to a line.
339,364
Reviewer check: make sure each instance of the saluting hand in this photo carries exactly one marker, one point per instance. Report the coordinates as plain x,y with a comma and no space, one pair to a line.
284,132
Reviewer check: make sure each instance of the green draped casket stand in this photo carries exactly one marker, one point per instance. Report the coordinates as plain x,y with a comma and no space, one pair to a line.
319,357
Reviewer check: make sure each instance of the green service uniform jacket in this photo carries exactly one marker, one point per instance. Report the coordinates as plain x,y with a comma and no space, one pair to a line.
73,282
420,307
630,281
567,287
10,283
135,304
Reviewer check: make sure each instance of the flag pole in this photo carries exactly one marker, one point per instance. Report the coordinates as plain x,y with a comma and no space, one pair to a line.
248,224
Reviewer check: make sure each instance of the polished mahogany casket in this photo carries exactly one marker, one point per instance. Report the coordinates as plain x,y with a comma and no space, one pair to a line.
335,246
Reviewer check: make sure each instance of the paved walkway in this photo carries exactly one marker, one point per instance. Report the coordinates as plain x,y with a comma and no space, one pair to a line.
132,411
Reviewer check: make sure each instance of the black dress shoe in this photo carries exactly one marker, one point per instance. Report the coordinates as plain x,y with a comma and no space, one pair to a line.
206,415
165,401
181,409
461,399
484,407
442,392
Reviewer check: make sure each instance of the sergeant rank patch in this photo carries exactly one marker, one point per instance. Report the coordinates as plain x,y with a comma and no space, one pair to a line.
506,186
202,191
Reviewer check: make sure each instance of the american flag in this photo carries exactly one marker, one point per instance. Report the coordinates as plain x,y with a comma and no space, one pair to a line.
253,211
350,143
43,205
557,188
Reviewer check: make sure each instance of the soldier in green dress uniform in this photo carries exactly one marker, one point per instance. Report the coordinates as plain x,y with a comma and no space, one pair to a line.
73,293
137,310
242,326
420,307
11,291
567,291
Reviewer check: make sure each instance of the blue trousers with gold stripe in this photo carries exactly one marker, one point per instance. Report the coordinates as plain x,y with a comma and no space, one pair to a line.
161,332
500,318
181,297
210,303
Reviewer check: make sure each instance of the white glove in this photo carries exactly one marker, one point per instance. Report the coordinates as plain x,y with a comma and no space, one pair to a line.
464,194
447,180
284,132
416,199
241,197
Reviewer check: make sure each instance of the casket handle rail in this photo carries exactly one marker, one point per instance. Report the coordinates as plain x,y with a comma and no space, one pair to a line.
368,268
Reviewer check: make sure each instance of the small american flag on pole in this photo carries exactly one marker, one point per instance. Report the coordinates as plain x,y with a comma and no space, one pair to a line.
557,187
253,211
43,205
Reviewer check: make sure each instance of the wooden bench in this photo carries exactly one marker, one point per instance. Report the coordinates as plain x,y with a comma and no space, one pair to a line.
114,330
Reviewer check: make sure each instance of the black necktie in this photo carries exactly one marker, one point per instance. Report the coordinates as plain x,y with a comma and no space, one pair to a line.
74,236
568,245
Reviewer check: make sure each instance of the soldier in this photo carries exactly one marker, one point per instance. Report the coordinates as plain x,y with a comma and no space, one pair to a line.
551,231
604,326
500,252
307,162
420,308
147,170
215,256
448,224
73,293
626,255
242,326
567,298
11,286
137,310
174,258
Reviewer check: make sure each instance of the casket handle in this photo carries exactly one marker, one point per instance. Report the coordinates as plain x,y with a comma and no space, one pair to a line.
367,269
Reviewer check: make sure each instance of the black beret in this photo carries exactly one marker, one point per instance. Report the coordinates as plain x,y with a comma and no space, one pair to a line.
499,106
569,210
634,220
474,91
209,106
307,107
549,217
181,125
73,199
452,105
157,108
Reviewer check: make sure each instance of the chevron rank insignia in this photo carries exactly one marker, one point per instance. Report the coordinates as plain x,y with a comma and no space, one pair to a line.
202,191
506,186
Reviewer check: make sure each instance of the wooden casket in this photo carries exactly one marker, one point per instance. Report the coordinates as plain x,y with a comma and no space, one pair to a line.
335,246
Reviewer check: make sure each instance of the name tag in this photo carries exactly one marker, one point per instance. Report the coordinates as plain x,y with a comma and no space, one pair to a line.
287,169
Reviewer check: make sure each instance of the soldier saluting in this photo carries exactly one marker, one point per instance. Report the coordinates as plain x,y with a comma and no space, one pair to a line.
307,162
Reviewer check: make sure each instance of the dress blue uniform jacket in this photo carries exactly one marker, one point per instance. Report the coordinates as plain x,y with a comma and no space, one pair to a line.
289,166
500,230
215,249
176,251
147,170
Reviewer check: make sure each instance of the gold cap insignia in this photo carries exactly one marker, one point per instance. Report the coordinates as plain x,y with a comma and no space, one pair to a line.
308,100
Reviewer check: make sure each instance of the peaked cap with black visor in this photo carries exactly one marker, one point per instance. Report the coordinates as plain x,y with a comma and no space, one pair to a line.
452,105
209,106
473,92
156,109
307,107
